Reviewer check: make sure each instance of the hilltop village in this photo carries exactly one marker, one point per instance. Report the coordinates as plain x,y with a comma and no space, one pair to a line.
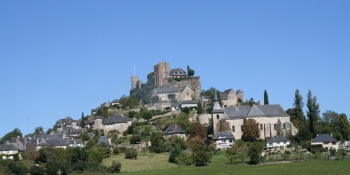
170,113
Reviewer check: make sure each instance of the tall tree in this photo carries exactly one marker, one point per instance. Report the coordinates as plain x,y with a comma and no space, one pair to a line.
222,126
190,72
251,130
266,98
344,127
279,127
82,120
312,112
199,108
197,130
298,112
38,130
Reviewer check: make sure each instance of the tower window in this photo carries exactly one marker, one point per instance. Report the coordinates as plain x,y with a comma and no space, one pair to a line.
217,116
233,129
275,127
261,127
242,128
284,126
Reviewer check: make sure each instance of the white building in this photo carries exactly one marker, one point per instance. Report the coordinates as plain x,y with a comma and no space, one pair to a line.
326,141
223,140
277,141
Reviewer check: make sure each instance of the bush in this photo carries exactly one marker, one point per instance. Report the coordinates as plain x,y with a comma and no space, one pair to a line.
116,150
176,151
65,168
255,152
131,153
95,157
79,166
14,167
285,156
36,170
185,158
134,139
52,167
122,149
115,167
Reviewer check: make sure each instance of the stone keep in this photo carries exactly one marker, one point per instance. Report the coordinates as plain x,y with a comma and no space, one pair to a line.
161,71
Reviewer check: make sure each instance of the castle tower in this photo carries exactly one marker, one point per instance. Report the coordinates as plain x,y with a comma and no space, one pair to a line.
161,71
134,80
240,95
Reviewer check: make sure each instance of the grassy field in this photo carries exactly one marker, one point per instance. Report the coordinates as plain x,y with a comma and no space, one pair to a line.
158,164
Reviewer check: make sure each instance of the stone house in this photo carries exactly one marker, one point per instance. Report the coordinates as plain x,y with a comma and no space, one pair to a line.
115,122
266,115
326,141
229,98
8,149
223,140
188,94
177,73
174,130
163,93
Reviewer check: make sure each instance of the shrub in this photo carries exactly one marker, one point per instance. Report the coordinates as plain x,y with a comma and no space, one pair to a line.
255,153
115,167
134,139
65,168
131,153
36,170
116,150
95,157
285,156
176,151
80,166
14,167
52,167
122,149
185,158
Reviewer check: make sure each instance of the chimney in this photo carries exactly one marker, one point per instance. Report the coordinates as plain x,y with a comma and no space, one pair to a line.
331,135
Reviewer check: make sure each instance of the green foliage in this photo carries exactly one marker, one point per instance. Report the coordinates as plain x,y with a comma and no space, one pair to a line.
131,114
279,127
255,152
197,130
222,126
11,167
115,167
65,167
266,98
147,115
183,121
128,102
89,145
312,112
185,158
52,167
175,152
145,93
135,139
45,154
14,133
102,112
285,156
82,120
199,108
60,154
176,141
95,157
131,153
116,150
190,72
36,170
208,106
77,154
200,152
157,142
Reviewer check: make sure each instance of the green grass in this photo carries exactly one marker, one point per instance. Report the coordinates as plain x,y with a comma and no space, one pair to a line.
158,164
142,163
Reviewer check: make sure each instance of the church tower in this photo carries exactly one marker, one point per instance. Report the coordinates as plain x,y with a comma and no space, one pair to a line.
217,112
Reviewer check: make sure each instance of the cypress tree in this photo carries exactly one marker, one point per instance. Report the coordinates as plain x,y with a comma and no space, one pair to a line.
266,98
312,112
82,121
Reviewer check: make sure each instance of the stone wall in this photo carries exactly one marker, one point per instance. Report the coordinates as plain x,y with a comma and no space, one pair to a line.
161,72
193,81
158,106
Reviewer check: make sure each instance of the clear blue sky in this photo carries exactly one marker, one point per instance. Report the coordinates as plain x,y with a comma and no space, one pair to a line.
61,58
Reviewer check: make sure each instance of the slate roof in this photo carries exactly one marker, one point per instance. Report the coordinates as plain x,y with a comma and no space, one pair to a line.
190,86
7,147
239,91
167,90
77,141
117,118
174,129
115,101
175,105
240,112
223,136
277,138
216,107
104,139
188,102
224,96
324,138
172,71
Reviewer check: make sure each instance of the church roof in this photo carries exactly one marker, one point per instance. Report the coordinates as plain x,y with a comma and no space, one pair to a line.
216,107
239,112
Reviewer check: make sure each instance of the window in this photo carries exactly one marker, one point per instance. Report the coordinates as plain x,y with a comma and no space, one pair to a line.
217,116
275,127
261,127
230,141
233,129
270,144
284,126
242,128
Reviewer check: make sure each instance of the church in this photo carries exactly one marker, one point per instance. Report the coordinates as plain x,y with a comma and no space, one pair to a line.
266,115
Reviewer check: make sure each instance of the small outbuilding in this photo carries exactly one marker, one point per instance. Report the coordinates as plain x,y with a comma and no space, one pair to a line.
277,141
223,139
174,130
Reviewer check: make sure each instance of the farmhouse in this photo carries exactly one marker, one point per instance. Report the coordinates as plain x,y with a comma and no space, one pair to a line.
223,139
326,141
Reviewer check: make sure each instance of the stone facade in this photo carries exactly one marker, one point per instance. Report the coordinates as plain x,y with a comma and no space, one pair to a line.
187,94
161,72
229,98
194,82
134,81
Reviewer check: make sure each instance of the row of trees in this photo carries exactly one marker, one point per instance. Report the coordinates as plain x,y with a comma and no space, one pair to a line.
313,124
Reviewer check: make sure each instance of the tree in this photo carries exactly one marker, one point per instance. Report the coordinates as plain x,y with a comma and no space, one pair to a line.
197,130
183,121
116,167
190,72
344,127
131,153
52,167
312,112
279,127
255,152
60,154
298,109
208,106
36,170
135,139
200,151
14,133
39,130
147,115
199,108
157,142
176,141
222,126
250,130
266,98
174,153
82,120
